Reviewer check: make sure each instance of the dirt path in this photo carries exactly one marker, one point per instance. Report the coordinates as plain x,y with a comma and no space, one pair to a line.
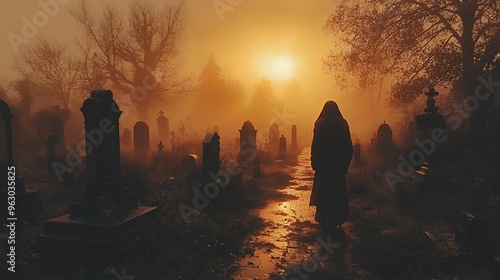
291,246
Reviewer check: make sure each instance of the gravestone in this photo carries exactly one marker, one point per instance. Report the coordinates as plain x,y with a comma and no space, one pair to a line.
160,148
248,143
141,139
163,128
293,146
384,138
432,171
126,138
190,164
107,211
274,138
211,151
282,148
29,204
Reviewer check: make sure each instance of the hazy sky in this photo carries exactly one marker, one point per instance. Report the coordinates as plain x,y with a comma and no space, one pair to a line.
252,39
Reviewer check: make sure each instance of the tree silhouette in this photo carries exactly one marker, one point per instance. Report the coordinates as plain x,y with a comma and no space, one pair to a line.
217,95
139,56
52,71
263,104
416,43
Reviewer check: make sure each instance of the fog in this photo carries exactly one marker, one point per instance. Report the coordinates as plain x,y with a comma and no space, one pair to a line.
252,40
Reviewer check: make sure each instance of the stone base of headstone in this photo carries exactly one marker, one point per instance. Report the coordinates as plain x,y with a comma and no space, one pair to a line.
117,205
98,232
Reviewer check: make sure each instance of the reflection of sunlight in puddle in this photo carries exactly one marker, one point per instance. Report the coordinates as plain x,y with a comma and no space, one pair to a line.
271,243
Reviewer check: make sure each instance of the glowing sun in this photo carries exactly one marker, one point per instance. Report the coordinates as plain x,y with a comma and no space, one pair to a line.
280,67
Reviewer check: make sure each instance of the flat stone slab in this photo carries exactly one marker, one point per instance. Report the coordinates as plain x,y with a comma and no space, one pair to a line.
100,230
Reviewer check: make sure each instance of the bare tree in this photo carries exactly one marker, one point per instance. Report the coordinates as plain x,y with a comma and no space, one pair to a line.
137,57
416,43
52,71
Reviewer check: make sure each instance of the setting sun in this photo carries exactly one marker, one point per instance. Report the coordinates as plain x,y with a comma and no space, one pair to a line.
279,67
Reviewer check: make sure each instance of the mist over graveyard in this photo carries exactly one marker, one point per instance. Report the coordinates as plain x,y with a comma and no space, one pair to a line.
173,139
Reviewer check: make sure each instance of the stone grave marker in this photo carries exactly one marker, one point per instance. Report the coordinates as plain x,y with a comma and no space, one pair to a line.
190,164
107,212
160,148
141,139
211,160
248,143
163,127
384,138
282,148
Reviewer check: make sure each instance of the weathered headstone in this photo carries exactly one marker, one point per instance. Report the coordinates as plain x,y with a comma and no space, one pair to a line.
282,148
211,150
141,139
248,143
294,138
107,212
190,163
163,127
384,138
274,136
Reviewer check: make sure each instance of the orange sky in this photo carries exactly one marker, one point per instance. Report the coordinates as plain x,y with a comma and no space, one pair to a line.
248,40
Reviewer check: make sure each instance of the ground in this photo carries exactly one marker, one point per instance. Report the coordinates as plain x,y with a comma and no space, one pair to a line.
263,228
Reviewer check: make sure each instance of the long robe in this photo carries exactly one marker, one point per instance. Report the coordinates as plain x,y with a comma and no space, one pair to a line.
331,154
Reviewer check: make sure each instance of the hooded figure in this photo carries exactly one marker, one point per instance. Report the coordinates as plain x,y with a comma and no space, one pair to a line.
331,154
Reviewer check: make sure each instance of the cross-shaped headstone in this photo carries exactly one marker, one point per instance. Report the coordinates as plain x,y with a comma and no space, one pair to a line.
160,148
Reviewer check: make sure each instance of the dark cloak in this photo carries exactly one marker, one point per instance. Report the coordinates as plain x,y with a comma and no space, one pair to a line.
331,154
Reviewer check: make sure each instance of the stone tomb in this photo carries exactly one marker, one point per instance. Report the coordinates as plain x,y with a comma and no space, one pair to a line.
211,161
29,204
107,212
